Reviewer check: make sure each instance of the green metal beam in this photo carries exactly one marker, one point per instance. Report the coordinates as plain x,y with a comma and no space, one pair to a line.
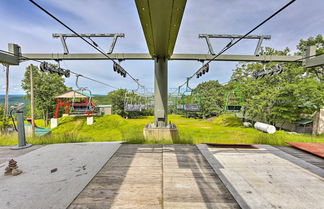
144,56
8,59
160,22
315,62
239,58
88,56
11,58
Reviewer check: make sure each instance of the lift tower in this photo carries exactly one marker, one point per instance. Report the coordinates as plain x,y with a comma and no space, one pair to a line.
161,22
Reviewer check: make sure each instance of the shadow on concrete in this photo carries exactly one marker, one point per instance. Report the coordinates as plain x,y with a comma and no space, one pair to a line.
211,188
103,189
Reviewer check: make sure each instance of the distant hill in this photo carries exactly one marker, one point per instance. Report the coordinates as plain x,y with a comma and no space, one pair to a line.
13,99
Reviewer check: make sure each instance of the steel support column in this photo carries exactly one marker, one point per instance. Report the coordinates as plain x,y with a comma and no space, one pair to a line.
161,92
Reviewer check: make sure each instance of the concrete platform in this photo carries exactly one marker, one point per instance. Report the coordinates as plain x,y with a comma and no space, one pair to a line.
110,175
156,176
38,188
6,153
265,177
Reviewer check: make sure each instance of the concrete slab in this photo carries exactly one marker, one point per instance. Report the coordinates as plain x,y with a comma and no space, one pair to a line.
6,153
37,187
260,178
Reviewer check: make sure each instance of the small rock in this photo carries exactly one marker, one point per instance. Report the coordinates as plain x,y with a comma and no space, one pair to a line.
53,170
16,172
12,168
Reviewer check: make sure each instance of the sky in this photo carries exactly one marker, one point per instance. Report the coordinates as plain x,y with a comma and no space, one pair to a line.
24,24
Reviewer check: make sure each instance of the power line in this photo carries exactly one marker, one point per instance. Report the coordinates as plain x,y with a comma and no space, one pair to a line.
94,80
93,45
230,44
86,77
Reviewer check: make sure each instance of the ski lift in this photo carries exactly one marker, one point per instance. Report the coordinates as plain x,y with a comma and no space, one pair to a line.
190,99
134,101
82,106
234,100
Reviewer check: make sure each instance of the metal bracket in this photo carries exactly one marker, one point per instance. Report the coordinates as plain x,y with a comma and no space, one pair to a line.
12,56
210,47
233,37
313,61
63,37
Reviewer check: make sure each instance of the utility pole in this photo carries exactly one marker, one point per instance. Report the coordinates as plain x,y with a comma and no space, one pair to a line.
32,99
6,106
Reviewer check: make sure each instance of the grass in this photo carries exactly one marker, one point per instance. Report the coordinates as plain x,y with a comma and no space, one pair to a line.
222,129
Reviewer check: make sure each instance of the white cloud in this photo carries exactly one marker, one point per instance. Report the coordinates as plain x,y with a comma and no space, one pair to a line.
300,20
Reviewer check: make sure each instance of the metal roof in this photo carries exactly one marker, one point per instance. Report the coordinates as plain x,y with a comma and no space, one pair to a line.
75,94
160,22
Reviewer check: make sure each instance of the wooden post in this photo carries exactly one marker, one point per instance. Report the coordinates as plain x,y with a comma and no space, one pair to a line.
32,110
6,106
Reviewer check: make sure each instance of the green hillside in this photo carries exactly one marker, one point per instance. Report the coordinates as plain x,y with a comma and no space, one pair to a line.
223,129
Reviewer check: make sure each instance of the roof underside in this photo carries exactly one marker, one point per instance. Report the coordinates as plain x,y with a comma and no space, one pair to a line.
74,94
160,22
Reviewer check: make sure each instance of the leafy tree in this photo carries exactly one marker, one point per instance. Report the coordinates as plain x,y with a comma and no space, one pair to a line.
46,87
117,100
211,94
281,97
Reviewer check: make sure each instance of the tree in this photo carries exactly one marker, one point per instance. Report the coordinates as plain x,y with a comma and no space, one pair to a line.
212,99
117,100
46,87
283,97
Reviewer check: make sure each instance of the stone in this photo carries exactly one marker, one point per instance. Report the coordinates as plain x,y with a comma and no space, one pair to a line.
89,120
12,168
16,172
54,123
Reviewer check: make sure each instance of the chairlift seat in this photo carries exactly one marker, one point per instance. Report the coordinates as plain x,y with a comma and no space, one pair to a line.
192,107
234,108
81,108
135,107
180,107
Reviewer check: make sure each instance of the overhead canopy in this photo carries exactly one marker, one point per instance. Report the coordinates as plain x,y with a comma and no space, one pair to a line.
161,22
74,94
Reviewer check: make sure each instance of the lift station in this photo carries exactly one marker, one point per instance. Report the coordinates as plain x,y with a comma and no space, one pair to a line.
160,22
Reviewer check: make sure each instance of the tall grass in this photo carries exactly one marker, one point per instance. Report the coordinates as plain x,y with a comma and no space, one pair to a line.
223,129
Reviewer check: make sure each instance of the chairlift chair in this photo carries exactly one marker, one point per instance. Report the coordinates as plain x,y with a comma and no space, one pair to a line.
190,100
234,100
85,107
134,102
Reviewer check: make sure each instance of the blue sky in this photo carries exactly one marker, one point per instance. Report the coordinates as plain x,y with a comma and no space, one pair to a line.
26,25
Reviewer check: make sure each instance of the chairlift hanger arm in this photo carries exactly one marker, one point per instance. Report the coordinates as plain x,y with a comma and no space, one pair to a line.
232,37
77,34
63,36
227,47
